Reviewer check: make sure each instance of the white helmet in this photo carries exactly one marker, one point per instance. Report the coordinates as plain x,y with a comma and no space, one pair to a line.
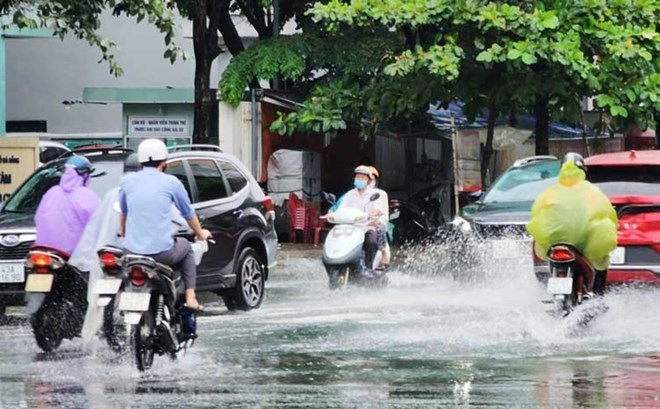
152,150
363,170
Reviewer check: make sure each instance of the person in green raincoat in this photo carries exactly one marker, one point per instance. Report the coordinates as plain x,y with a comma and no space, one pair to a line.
577,213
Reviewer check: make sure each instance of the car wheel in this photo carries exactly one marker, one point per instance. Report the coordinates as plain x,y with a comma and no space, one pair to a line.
249,291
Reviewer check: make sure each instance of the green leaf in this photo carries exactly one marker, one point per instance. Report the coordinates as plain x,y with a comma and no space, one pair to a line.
529,59
485,56
550,22
513,54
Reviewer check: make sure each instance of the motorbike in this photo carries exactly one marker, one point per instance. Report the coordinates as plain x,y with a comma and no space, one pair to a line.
408,222
567,280
417,219
149,297
343,254
56,294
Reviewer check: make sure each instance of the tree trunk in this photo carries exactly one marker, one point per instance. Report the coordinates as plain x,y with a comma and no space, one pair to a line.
206,16
542,125
202,128
488,149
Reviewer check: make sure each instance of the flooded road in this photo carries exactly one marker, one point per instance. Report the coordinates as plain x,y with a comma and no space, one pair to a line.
425,341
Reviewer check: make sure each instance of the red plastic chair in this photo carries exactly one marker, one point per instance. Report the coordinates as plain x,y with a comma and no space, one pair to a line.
297,218
317,225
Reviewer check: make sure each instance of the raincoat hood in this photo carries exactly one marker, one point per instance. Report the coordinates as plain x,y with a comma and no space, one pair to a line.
570,175
71,180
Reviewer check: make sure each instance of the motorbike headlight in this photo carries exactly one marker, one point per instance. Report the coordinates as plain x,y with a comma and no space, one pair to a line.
343,231
462,224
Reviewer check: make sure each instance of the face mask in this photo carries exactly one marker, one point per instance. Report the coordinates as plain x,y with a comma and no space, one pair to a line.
360,184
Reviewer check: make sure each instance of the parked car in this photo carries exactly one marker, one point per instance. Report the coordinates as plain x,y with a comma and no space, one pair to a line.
631,180
494,225
225,196
49,150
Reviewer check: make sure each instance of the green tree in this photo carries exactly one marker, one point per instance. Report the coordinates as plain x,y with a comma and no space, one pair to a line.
212,19
552,54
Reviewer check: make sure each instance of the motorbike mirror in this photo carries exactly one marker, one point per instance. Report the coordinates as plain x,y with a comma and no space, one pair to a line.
374,197
329,197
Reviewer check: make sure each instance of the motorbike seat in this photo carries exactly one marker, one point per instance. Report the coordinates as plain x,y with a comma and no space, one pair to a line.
579,257
165,269
146,261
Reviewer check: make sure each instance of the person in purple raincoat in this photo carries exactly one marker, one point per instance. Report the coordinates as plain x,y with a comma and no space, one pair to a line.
66,208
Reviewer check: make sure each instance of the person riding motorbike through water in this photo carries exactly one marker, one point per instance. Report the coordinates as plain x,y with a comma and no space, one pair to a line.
65,209
102,231
145,199
359,198
577,213
383,217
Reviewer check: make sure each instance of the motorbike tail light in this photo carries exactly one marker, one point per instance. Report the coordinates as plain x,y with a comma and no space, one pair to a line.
108,260
42,263
41,260
138,276
110,263
561,254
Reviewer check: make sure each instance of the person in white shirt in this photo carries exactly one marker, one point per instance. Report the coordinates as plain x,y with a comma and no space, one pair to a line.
359,198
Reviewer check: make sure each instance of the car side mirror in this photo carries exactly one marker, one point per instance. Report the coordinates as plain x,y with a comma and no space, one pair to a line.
475,197
374,197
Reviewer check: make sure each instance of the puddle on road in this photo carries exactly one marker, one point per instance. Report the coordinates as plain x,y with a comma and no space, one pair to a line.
427,340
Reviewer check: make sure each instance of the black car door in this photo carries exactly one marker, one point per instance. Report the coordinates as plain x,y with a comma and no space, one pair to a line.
216,209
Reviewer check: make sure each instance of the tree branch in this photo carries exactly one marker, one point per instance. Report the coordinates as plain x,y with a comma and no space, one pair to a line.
228,29
214,13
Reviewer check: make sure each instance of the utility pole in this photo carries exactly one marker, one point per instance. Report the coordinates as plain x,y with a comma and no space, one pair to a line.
457,181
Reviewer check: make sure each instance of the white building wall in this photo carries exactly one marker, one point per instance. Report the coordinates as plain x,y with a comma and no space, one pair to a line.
41,73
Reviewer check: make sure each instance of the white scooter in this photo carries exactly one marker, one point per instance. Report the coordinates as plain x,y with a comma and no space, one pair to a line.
343,254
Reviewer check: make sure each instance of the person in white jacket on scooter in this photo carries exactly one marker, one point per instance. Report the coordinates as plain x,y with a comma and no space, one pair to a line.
359,198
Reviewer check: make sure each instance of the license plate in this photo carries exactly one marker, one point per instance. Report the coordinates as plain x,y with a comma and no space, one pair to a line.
560,285
107,286
39,283
134,301
618,255
505,249
12,273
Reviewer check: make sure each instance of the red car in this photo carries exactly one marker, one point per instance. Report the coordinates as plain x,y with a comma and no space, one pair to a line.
632,182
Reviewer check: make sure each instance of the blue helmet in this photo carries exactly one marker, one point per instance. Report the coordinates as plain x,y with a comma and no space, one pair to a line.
81,164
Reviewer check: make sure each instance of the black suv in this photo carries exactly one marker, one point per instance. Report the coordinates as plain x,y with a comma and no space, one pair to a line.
227,199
